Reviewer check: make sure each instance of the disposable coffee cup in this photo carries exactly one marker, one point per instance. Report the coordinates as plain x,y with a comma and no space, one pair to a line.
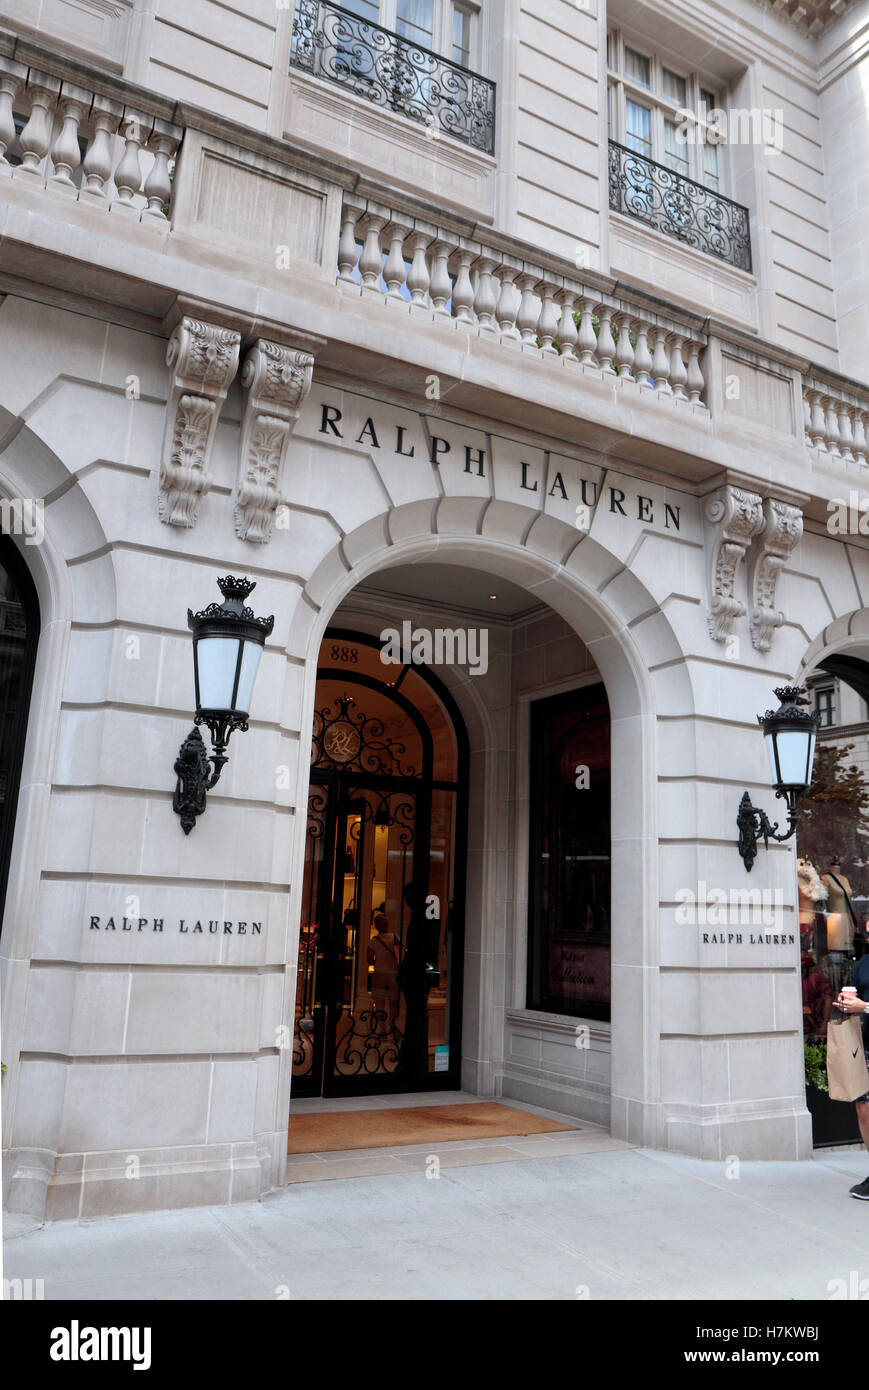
849,989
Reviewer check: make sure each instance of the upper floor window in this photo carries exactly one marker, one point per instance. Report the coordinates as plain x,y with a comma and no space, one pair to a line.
415,57
649,101
448,27
825,705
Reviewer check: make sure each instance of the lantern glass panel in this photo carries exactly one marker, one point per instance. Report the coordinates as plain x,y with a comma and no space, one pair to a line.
795,753
249,666
216,662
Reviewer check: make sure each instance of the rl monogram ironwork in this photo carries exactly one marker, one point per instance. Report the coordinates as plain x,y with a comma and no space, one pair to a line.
679,207
390,71
354,742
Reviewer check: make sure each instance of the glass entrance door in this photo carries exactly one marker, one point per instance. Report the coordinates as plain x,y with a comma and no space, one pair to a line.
379,992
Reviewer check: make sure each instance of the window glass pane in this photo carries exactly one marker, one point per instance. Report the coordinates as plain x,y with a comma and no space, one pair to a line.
611,49
675,150
637,66
365,9
462,20
638,122
674,87
708,98
710,165
569,897
415,21
824,705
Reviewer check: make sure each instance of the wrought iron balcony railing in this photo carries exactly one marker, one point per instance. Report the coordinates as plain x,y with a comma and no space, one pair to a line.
679,207
392,72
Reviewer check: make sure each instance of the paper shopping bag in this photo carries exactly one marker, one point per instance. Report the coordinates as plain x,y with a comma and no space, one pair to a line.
847,1073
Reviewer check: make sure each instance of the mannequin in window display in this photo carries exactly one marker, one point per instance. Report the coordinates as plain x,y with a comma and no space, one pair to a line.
840,925
813,897
840,914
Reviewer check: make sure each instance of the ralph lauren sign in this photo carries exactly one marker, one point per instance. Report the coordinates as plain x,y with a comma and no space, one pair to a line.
185,925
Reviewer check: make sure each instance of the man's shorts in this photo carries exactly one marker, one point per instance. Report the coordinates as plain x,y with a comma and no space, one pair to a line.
864,1100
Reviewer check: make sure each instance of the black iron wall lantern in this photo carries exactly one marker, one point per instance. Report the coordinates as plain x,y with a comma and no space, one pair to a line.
789,733
228,643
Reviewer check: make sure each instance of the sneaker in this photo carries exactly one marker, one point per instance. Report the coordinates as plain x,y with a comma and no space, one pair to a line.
860,1190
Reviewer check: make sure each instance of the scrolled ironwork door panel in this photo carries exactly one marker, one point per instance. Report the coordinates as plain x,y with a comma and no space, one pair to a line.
376,857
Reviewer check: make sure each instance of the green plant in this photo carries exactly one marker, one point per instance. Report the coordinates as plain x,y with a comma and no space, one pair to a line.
816,1065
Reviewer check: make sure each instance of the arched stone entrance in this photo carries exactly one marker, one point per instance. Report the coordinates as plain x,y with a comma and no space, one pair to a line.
602,602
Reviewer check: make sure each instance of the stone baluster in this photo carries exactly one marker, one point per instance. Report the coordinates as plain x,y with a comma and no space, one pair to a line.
486,298
606,344
831,421
568,332
861,444
807,416
696,382
97,168
624,358
348,251
418,277
135,131
36,135
507,304
818,423
164,143
441,287
395,269
463,290
529,312
73,105
678,374
547,326
661,361
642,354
371,260
12,79
846,433
587,336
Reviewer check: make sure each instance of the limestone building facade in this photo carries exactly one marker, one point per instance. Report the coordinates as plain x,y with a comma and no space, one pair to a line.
531,328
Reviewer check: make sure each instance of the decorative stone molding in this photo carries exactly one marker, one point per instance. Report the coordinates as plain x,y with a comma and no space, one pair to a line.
205,359
737,516
277,381
782,529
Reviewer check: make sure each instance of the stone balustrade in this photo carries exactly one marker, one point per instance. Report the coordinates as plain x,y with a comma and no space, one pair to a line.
507,300
83,144
836,421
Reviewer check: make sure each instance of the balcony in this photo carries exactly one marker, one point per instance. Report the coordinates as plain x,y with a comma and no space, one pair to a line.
394,74
678,207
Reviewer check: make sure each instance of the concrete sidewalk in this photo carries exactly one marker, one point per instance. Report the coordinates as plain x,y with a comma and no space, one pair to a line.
629,1223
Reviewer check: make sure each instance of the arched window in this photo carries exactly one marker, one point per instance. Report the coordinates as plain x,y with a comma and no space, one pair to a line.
19,634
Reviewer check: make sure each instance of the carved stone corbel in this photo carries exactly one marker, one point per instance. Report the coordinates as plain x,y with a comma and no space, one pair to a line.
782,529
737,516
204,359
277,381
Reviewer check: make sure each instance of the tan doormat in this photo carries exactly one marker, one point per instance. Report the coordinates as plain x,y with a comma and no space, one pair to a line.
424,1124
